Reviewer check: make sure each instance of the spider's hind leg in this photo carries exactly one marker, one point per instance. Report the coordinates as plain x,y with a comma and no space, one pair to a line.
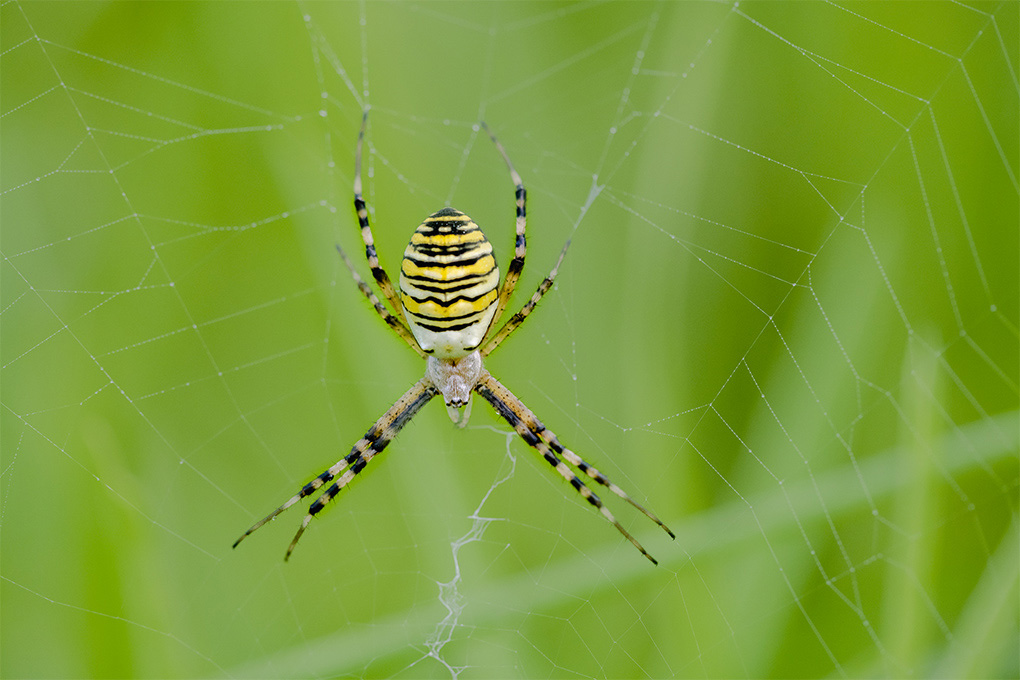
393,322
361,210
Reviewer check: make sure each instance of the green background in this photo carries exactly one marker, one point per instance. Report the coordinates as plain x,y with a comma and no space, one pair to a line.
787,322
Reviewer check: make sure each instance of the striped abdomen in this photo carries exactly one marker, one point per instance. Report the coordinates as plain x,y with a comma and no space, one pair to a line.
449,283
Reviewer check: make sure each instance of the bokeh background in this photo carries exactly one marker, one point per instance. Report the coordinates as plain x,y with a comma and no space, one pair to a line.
787,322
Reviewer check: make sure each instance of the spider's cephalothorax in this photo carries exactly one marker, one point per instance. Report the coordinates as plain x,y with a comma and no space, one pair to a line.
449,284
448,310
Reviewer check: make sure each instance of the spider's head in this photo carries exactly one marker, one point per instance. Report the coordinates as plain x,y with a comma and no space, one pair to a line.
449,284
459,413
455,379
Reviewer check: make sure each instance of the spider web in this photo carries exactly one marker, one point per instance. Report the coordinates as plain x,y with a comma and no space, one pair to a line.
787,323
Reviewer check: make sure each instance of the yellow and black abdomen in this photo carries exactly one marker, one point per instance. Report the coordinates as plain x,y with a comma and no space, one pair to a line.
449,283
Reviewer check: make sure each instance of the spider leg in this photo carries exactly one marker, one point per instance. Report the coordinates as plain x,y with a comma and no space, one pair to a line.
513,271
366,231
517,319
391,321
593,473
344,470
534,433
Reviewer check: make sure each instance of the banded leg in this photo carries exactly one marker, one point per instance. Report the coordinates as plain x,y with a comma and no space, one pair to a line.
516,266
589,470
517,319
537,436
391,321
345,469
366,231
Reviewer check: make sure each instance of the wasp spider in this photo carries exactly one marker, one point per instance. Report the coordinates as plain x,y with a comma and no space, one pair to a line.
447,310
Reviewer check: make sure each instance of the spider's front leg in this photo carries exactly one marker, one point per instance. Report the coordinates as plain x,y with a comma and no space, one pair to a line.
344,470
532,431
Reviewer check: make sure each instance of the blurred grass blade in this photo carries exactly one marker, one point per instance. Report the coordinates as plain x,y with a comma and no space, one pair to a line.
985,641
717,530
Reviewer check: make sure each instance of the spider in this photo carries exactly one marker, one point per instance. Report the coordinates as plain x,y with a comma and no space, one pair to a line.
447,310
